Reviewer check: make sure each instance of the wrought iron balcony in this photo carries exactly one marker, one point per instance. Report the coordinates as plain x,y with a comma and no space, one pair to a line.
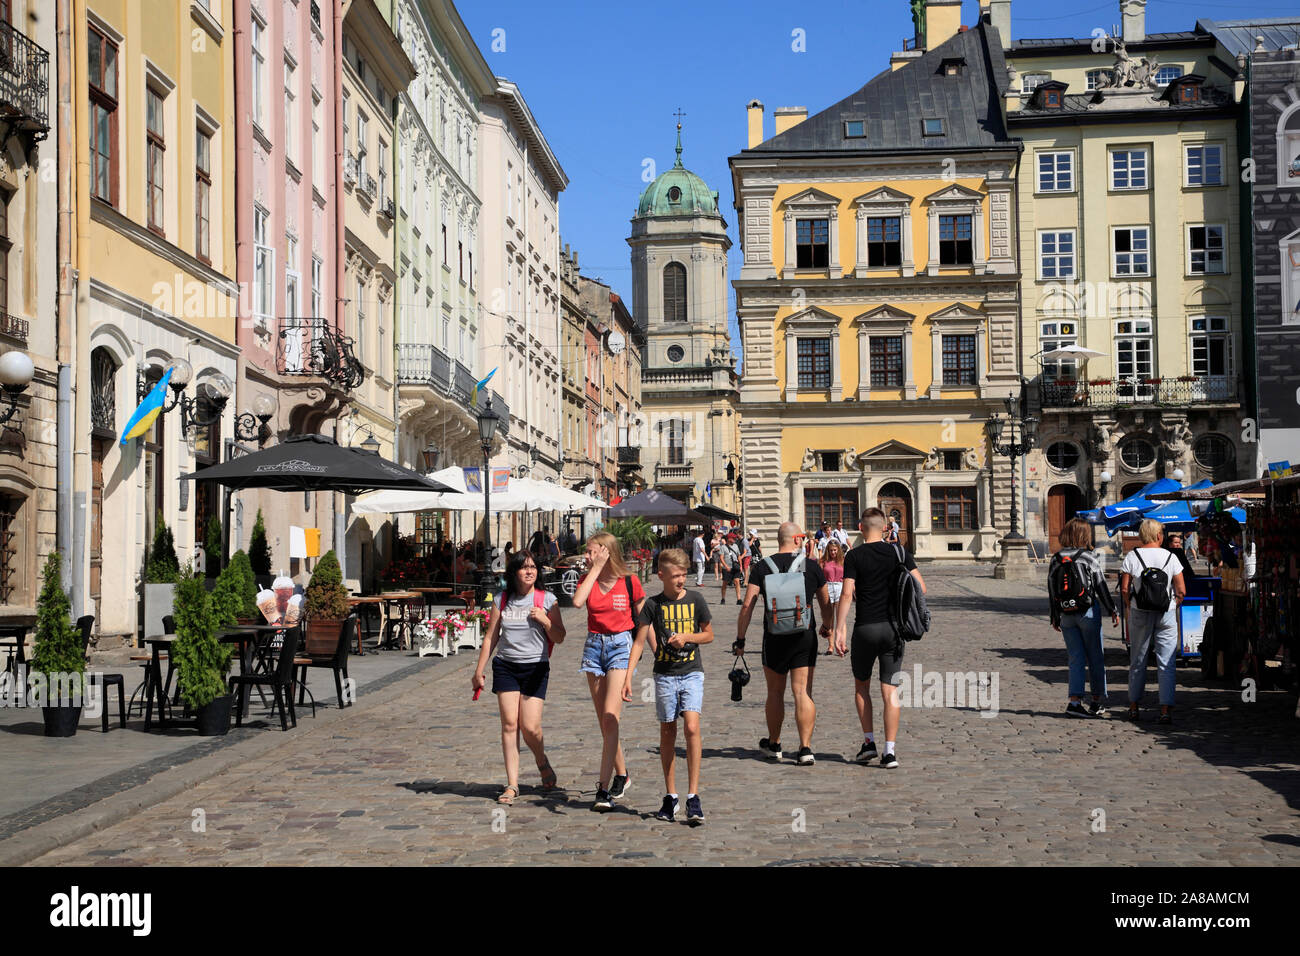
13,326
313,347
629,457
1178,392
24,82
674,473
424,365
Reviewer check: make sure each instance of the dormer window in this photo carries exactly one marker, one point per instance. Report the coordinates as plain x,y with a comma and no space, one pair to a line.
932,127
1052,99
674,194
952,66
1050,94
1189,93
854,129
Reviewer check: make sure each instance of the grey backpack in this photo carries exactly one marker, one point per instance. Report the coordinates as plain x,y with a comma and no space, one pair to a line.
787,610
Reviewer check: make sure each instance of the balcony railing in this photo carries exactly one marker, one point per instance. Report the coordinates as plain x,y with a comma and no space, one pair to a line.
674,473
13,326
313,347
1171,392
24,82
629,457
431,366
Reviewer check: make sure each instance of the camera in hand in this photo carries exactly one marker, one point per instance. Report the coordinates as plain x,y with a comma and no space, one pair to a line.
739,677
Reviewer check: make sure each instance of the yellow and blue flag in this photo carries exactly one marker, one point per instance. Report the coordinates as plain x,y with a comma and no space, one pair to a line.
473,396
142,418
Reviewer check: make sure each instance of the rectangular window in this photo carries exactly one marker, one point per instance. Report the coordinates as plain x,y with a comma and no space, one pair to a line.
932,126
317,290
361,322
383,172
460,259
1167,74
290,114
1211,347
1056,335
202,194
884,241
444,239
951,460
959,360
347,97
155,159
1132,251
1133,349
1056,172
1205,165
1205,249
952,509
854,129
291,277
676,441
1056,255
259,73
1128,169
886,361
955,245
1030,81
5,246
830,505
317,149
812,243
263,268
103,116
363,124
814,364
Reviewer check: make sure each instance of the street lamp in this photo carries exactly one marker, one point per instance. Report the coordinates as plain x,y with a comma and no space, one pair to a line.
215,391
487,429
16,373
1015,548
430,454
251,425
371,444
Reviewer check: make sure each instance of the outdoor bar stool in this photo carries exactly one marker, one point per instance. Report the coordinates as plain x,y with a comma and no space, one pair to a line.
104,681
146,661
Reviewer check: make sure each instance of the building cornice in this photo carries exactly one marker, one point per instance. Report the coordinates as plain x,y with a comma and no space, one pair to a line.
107,216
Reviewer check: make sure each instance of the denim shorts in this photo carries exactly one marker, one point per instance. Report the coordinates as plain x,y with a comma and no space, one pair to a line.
677,693
603,653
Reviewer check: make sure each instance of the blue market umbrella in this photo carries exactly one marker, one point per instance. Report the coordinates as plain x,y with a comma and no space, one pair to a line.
1172,514
1122,513
1092,516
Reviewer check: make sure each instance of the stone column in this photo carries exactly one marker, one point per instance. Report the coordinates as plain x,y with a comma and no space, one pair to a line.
834,260
864,363
837,385
791,366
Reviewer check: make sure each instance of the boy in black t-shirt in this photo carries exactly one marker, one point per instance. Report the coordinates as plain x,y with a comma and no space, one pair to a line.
675,623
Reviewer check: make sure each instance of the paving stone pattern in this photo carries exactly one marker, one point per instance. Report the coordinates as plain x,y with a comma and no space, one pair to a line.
412,780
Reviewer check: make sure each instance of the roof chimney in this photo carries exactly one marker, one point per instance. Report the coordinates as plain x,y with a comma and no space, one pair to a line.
1000,20
1134,13
942,18
755,113
788,117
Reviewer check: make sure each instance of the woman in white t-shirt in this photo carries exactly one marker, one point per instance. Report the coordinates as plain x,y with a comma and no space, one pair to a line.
525,625
1146,627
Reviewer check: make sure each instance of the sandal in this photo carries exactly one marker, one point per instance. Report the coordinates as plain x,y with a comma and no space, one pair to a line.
507,797
549,779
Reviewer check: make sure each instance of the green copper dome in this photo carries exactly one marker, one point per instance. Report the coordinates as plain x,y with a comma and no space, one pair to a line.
678,192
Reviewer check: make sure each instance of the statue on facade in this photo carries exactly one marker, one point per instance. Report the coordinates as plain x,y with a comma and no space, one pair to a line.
1177,441
1100,440
850,458
809,462
932,460
971,459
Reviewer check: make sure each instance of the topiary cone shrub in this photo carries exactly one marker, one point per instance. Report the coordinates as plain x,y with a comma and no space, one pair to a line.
259,552
162,566
58,643
228,596
247,610
202,661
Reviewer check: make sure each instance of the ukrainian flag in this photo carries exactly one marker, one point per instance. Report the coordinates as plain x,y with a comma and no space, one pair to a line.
473,396
142,418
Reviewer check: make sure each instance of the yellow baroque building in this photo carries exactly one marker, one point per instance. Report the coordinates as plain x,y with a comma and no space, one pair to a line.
878,299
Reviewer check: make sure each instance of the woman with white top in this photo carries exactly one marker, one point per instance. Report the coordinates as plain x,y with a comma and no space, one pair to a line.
1148,626
1082,631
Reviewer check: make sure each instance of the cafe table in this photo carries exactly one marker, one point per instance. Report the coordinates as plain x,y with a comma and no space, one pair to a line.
431,595
361,603
390,598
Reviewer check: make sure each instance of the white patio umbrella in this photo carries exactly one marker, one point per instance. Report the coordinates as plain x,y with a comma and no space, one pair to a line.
1068,352
521,494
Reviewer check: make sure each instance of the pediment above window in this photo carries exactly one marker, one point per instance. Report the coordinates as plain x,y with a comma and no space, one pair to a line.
812,320
885,314
956,193
956,313
893,450
885,195
811,200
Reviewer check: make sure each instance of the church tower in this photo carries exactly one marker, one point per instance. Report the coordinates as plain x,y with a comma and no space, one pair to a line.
689,386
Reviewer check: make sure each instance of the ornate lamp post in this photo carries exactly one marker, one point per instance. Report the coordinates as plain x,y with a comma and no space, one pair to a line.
252,425
215,391
1020,432
487,429
16,373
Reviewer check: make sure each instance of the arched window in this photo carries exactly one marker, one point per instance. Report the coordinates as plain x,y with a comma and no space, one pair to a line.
103,393
674,292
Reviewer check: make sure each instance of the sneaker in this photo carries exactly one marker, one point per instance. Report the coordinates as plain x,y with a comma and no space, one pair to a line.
1098,709
739,602
806,758
723,602
603,803
694,815
1166,718
1076,709
619,786
771,748
867,753
889,761
668,812
1134,714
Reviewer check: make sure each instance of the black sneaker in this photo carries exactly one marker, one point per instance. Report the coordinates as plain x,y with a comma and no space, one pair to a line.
867,753
603,803
694,815
739,602
772,749
889,761
1098,709
723,601
1076,709
668,812
806,758
619,786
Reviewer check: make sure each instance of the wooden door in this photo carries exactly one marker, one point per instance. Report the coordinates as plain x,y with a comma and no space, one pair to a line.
1063,502
896,502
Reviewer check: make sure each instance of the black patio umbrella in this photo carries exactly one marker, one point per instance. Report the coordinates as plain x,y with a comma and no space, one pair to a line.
316,463
664,509
713,511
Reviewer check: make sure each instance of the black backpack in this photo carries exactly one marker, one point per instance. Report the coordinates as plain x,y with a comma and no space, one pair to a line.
1152,593
909,614
1070,583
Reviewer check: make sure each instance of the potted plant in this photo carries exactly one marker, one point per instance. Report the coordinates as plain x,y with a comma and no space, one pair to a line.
160,574
247,612
325,606
259,553
201,660
59,660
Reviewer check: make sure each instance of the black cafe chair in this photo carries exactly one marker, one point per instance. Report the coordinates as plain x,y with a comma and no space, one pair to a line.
336,661
280,680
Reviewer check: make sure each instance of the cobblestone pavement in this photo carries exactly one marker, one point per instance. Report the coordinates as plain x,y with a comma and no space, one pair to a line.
412,780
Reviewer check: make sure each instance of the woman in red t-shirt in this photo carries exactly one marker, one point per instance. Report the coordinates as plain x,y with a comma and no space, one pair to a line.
613,600
833,568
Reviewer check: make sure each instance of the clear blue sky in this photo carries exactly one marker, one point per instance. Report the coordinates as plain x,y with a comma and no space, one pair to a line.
604,78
